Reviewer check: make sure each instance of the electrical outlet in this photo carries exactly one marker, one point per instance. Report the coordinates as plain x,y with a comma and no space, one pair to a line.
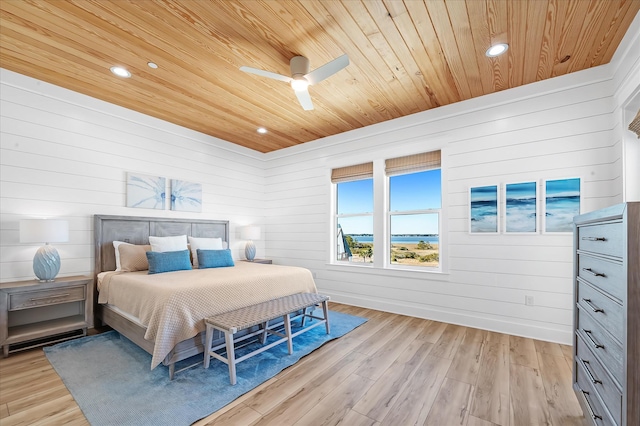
528,300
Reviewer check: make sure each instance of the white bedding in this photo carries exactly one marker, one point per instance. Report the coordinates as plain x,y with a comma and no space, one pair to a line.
172,305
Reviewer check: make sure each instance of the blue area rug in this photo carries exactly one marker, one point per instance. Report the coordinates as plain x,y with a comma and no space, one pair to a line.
109,377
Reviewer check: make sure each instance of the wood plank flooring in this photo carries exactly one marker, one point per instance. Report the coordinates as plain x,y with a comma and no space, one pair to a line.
393,370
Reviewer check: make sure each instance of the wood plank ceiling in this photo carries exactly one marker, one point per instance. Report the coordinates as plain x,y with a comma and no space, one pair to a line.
406,56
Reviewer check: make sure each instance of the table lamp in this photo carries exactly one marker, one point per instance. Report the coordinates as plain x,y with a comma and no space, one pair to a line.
46,262
250,233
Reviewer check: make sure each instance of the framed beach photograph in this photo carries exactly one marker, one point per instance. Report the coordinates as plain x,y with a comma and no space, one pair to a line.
146,192
561,204
521,208
186,196
483,209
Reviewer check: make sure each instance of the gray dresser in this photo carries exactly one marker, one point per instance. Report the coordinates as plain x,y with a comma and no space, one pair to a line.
606,368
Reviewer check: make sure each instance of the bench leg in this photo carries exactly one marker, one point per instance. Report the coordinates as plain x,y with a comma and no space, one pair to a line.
231,357
263,336
325,309
287,328
304,317
207,345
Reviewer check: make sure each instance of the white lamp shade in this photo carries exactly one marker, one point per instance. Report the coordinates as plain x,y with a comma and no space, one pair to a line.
44,231
250,233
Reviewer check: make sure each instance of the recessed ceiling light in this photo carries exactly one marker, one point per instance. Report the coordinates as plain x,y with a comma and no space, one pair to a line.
120,72
497,50
262,130
152,65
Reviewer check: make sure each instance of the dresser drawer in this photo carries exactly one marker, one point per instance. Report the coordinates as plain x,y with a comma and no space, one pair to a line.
600,380
595,410
604,310
602,344
608,276
602,239
52,296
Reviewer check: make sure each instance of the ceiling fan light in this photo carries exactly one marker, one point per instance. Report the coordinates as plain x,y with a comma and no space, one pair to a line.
497,50
299,84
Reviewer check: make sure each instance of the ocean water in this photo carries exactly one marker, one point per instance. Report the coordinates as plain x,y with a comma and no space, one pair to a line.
399,239
520,214
484,216
560,211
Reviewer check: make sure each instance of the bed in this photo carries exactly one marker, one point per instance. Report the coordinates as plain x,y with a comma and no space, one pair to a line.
169,324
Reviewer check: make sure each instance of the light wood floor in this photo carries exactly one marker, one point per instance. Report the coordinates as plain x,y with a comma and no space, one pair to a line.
393,370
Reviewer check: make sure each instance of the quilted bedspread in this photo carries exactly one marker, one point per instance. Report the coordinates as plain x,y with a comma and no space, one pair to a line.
173,305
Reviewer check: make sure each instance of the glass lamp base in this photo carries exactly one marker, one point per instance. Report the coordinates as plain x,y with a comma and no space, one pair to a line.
250,251
46,263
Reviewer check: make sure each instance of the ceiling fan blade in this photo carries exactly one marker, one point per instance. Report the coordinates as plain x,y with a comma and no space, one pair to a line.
305,99
267,74
327,70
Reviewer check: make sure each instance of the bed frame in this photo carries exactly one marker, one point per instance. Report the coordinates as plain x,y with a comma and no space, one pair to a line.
136,230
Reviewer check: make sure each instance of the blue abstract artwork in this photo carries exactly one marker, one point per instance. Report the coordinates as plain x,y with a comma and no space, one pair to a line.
562,203
484,209
186,196
520,207
146,192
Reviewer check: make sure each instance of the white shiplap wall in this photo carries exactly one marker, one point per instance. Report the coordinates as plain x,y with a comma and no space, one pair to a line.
559,128
66,155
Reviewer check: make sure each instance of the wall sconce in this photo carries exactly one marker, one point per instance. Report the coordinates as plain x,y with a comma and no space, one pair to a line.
46,262
250,233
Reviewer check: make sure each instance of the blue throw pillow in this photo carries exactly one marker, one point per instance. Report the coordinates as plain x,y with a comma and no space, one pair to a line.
214,258
168,261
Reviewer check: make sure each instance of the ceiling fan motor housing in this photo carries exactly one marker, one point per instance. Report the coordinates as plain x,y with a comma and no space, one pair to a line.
299,66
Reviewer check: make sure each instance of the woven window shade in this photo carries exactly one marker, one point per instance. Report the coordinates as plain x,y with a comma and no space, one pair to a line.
357,172
413,163
635,125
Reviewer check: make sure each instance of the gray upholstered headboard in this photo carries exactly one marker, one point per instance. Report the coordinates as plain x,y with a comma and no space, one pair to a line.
136,230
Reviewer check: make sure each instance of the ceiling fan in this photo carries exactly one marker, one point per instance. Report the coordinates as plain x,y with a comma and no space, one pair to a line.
301,78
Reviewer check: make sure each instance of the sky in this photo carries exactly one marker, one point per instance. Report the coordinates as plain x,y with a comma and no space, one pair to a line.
415,191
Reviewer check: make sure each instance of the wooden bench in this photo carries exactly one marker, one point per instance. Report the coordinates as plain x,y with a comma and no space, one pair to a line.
231,322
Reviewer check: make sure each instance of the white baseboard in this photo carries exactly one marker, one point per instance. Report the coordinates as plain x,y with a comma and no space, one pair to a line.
506,327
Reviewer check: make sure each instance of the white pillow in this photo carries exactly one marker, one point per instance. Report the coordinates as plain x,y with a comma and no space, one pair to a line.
115,246
162,244
203,244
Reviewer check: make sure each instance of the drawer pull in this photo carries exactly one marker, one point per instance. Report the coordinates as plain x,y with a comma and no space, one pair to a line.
591,377
592,306
35,299
594,273
594,239
593,415
595,344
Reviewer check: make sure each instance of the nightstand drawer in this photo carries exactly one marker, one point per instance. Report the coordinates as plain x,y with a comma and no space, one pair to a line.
603,274
604,310
600,380
55,296
602,239
601,344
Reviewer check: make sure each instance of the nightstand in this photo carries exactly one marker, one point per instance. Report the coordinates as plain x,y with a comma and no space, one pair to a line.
267,261
34,313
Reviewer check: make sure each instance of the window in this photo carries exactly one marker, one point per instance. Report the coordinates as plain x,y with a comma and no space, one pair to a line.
414,219
399,203
415,203
354,213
